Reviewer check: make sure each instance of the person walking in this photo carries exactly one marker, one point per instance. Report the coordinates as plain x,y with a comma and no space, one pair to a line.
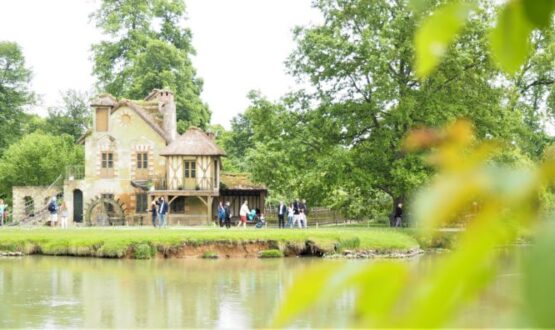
303,211
243,214
63,215
282,211
227,216
297,213
290,215
162,212
154,212
3,208
221,214
53,210
398,215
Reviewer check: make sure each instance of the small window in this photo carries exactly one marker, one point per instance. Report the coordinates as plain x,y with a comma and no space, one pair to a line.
142,203
102,120
190,169
109,207
107,160
142,161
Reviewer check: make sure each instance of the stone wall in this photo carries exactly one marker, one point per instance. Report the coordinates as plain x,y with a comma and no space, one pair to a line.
40,196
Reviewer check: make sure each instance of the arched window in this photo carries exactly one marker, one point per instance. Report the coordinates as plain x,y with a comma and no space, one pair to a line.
29,205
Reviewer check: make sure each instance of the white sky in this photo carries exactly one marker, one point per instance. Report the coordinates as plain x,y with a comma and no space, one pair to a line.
241,45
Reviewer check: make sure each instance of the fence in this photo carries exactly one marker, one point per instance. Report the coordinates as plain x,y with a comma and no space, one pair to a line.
316,216
75,172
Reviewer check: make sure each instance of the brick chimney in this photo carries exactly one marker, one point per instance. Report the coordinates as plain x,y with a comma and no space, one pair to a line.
166,106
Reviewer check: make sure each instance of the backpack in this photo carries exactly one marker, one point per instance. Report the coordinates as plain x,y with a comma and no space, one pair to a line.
51,207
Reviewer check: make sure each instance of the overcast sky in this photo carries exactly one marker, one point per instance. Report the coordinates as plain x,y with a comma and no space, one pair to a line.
241,45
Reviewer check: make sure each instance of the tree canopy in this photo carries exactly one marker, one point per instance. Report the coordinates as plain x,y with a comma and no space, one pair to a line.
72,117
37,159
149,48
15,93
344,133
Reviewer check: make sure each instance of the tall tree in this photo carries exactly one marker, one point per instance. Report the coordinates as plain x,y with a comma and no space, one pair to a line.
347,130
72,117
14,92
148,48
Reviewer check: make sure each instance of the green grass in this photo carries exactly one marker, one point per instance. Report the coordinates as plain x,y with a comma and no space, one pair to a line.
143,243
210,255
271,254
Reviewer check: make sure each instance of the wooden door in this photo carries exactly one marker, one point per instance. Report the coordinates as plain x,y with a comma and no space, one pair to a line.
77,205
190,179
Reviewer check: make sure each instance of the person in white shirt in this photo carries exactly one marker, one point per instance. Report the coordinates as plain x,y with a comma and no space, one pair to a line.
64,214
243,215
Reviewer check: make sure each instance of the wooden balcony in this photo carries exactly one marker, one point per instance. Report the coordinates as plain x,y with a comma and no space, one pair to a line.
203,187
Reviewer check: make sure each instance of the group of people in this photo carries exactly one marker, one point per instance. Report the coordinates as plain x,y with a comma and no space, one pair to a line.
159,209
296,214
224,214
56,211
245,214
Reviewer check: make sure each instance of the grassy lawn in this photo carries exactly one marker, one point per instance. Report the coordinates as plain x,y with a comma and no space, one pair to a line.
115,242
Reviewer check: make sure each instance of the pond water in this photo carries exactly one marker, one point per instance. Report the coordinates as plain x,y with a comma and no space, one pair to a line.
61,292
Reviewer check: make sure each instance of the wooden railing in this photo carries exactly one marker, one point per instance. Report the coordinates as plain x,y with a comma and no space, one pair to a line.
161,183
75,172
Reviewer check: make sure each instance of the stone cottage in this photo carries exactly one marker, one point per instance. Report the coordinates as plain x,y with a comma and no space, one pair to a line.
133,154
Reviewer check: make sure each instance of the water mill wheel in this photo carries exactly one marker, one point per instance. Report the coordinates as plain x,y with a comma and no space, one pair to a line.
105,211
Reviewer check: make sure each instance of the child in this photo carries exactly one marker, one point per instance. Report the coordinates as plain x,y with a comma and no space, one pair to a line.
63,214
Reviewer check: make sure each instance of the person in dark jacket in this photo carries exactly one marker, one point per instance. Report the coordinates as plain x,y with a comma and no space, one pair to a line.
227,216
221,214
281,212
154,212
162,212
297,213
398,215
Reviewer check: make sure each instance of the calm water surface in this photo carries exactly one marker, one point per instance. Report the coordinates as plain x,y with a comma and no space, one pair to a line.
60,292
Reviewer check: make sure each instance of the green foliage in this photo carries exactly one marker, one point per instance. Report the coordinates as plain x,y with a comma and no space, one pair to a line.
37,159
437,33
509,201
510,38
148,48
537,282
143,251
210,255
14,93
270,254
73,117
339,142
348,244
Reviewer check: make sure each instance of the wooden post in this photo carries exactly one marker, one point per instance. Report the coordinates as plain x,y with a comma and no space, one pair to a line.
209,206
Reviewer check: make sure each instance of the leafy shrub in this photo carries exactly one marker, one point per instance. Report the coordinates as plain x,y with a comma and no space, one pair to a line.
142,251
348,244
271,254
210,255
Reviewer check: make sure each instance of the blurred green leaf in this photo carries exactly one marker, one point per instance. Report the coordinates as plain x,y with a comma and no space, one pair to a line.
538,281
436,33
306,291
510,39
539,12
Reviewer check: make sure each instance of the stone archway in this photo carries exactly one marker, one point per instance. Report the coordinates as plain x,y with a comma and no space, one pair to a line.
105,211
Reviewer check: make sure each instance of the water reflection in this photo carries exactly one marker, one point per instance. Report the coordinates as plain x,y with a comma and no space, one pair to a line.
58,292
47,292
